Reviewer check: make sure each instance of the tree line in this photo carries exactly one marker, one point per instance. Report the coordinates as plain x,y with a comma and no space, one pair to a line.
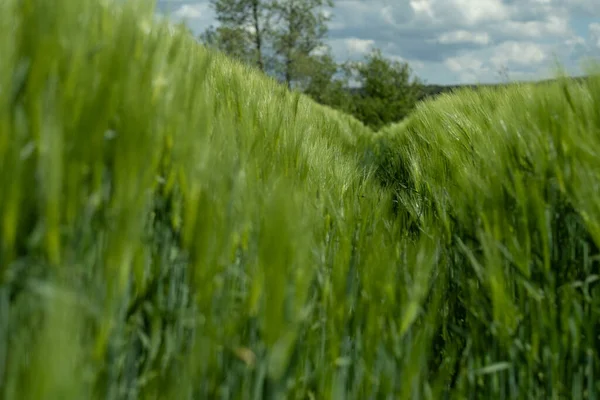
286,39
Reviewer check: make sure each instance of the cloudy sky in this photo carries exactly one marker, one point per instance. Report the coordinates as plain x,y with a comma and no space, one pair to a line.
453,41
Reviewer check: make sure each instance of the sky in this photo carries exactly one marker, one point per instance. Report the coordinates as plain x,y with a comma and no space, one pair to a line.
452,41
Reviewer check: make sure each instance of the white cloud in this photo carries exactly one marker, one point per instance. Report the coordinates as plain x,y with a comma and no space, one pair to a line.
416,64
522,59
554,25
413,64
465,62
463,36
588,7
395,58
594,29
191,11
463,12
423,8
574,41
518,53
360,46
477,11
468,67
387,14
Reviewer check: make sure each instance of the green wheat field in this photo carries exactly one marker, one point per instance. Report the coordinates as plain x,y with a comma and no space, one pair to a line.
175,225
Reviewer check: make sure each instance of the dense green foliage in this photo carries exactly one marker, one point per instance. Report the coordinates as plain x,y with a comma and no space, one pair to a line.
327,87
176,225
387,93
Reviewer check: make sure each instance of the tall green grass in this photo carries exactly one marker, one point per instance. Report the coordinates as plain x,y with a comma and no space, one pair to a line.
176,225
510,179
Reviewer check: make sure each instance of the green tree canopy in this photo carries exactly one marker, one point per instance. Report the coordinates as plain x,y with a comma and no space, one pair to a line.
387,93
243,29
300,27
327,82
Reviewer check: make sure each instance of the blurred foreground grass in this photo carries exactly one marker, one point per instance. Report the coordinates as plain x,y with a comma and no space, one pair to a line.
175,225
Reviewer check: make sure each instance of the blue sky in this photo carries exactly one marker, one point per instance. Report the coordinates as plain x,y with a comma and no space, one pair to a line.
453,41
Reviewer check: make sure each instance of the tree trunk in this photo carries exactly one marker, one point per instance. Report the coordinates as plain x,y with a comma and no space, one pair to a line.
290,45
258,35
288,71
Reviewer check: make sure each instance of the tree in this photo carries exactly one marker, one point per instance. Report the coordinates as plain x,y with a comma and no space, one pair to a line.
386,93
328,83
230,41
279,36
243,29
299,29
